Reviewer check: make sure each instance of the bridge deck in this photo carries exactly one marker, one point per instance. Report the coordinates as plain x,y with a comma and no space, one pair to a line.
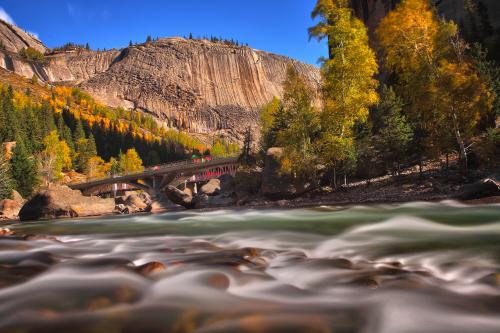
182,166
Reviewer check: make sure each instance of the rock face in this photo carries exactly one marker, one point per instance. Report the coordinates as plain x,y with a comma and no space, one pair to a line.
61,201
15,39
193,85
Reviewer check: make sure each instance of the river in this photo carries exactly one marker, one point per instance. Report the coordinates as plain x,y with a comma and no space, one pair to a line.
418,267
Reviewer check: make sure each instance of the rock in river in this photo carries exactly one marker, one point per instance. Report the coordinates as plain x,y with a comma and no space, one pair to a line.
61,201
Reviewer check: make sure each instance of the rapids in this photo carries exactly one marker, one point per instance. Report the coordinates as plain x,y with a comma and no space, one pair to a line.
419,267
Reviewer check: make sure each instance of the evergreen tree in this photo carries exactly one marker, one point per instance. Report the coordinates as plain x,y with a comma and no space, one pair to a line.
65,133
6,182
87,47
148,39
395,134
78,133
85,150
9,126
24,170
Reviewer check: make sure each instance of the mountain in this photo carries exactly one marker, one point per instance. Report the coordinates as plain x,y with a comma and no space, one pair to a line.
205,88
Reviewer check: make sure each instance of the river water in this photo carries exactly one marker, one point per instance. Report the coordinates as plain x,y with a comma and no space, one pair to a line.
417,267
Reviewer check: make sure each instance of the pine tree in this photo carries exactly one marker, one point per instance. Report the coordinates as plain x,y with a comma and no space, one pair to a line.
78,133
395,133
65,133
9,126
87,47
6,182
24,170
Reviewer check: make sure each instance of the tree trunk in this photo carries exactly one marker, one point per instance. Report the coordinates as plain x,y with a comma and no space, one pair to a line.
334,178
461,144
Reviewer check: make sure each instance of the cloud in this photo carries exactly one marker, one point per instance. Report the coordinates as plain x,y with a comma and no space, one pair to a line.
5,16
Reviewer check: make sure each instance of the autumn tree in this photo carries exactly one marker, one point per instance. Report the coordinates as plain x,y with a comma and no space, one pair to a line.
97,168
54,158
130,162
444,94
348,84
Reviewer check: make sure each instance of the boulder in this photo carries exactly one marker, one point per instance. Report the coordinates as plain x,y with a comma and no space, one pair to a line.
278,186
17,197
208,201
137,203
9,209
183,198
212,187
61,201
488,187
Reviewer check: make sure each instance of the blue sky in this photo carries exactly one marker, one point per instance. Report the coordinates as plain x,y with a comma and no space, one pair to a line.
278,26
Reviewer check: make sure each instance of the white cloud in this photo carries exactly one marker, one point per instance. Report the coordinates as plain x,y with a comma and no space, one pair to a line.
5,16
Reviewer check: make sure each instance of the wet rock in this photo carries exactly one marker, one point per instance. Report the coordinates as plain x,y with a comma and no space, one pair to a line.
492,279
40,237
488,187
222,200
179,197
137,203
218,281
341,263
212,187
122,209
61,201
278,186
151,268
6,232
9,209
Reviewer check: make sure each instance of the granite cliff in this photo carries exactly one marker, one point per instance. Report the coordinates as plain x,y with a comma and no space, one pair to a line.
197,86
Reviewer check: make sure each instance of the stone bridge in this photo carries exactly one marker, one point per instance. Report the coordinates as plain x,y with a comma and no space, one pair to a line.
155,179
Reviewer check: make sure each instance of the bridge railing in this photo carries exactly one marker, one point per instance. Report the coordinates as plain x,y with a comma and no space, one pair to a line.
152,170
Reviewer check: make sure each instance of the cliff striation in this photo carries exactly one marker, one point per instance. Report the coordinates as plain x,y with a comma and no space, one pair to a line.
193,85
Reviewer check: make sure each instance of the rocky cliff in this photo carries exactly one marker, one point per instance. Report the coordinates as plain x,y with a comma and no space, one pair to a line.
372,11
194,85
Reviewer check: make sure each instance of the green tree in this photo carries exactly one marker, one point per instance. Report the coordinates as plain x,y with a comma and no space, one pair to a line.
24,170
395,133
302,126
6,182
85,150
9,119
266,121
